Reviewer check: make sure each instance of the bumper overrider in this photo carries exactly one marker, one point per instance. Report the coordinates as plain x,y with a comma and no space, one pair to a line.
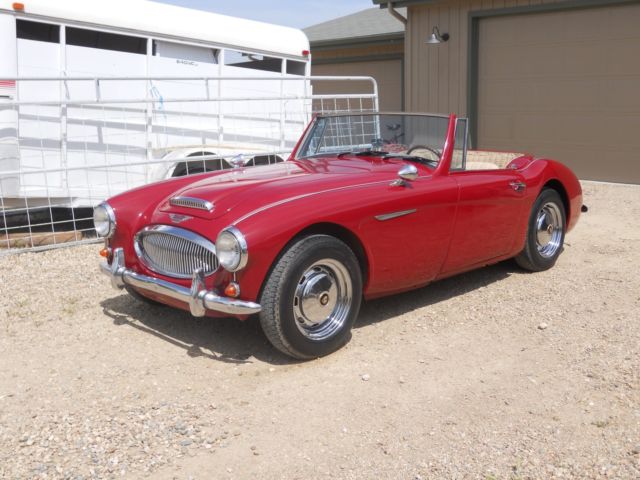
199,299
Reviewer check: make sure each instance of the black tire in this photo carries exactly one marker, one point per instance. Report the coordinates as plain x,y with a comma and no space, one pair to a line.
548,210
317,277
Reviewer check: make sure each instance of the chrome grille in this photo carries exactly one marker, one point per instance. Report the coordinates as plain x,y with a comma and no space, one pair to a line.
191,202
175,252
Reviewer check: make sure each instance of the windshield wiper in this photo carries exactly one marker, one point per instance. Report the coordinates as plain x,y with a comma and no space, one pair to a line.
362,153
413,158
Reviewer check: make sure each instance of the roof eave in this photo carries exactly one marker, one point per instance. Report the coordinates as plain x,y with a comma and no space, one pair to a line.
358,41
399,3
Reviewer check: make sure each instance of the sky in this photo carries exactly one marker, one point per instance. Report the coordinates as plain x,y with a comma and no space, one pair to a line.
292,13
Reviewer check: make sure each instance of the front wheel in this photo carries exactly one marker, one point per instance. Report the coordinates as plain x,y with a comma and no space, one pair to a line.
312,298
545,234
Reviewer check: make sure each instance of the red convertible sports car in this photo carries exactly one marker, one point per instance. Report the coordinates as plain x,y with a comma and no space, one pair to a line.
367,205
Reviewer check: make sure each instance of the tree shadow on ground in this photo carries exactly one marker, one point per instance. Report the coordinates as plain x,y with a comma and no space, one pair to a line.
232,341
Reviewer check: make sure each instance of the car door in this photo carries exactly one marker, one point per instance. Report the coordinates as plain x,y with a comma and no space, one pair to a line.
490,202
407,231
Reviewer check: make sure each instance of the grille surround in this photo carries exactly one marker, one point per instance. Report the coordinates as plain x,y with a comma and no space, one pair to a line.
175,252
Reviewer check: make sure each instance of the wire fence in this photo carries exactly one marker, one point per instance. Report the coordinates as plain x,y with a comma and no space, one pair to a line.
66,144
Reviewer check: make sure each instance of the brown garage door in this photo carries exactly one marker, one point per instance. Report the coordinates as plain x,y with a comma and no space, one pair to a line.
388,74
564,85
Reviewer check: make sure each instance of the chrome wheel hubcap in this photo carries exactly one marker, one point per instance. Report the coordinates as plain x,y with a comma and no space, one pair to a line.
549,228
322,300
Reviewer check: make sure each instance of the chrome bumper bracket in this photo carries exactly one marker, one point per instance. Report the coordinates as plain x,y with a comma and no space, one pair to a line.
199,299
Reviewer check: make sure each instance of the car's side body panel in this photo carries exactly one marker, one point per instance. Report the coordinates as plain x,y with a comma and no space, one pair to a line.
402,252
487,207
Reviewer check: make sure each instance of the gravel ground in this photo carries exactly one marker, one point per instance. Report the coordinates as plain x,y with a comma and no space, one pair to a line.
495,374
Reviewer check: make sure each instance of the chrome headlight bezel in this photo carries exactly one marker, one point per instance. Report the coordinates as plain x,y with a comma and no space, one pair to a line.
231,249
105,226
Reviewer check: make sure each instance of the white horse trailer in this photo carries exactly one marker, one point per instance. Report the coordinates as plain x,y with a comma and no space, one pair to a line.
96,91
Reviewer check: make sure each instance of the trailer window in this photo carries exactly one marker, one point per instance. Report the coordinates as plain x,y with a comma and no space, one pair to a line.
42,32
252,60
296,68
81,37
182,52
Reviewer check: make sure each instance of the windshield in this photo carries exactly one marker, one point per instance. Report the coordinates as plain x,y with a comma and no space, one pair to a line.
404,135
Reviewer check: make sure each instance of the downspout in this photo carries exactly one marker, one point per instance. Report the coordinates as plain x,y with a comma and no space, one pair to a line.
393,12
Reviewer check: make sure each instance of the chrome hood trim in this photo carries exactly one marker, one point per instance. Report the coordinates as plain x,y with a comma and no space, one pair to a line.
192,202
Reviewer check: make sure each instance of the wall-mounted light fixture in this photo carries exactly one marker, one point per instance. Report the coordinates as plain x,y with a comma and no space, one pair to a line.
436,38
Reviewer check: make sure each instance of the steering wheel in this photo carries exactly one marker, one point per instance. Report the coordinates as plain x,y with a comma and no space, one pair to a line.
416,148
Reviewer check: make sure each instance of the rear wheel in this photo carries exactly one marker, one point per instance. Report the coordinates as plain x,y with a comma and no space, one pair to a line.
545,234
312,298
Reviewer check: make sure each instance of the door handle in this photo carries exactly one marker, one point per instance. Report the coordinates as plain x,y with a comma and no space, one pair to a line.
518,186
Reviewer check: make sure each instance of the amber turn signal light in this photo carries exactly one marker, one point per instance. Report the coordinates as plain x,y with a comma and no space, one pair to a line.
232,290
105,252
18,6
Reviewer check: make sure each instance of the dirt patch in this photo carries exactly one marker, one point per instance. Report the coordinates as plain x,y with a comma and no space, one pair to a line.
493,374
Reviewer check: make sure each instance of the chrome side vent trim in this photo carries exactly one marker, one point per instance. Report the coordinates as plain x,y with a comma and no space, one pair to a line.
192,202
175,252
389,216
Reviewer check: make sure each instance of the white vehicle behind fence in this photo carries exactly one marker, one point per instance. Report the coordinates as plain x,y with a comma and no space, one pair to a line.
98,97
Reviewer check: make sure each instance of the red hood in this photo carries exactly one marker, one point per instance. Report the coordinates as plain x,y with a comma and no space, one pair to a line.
243,190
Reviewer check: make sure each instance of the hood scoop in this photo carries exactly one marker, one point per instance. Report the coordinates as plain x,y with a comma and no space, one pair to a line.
192,202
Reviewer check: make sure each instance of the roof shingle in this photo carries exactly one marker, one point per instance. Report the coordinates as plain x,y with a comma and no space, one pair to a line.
366,23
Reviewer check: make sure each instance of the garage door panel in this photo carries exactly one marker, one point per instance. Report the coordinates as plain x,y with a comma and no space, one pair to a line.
581,59
623,59
500,95
621,22
496,127
501,61
535,128
581,24
622,94
561,84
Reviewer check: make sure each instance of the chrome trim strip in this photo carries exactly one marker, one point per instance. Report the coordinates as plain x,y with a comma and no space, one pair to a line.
389,216
197,297
192,202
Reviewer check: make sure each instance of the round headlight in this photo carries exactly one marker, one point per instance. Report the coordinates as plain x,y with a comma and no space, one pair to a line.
231,249
104,220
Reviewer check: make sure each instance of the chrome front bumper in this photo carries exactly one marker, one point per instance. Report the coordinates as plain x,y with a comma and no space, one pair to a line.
199,299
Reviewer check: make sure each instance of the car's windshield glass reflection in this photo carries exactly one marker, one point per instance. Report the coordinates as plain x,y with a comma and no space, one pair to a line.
414,137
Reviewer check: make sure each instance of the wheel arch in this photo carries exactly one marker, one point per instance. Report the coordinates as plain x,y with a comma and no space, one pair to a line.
334,230
557,185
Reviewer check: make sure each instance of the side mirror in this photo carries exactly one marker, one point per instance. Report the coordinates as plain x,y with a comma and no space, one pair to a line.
408,173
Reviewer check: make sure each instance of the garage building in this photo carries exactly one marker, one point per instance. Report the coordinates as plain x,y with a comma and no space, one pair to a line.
558,78
369,43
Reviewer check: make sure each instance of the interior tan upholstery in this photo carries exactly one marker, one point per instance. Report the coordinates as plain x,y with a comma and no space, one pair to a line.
482,160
